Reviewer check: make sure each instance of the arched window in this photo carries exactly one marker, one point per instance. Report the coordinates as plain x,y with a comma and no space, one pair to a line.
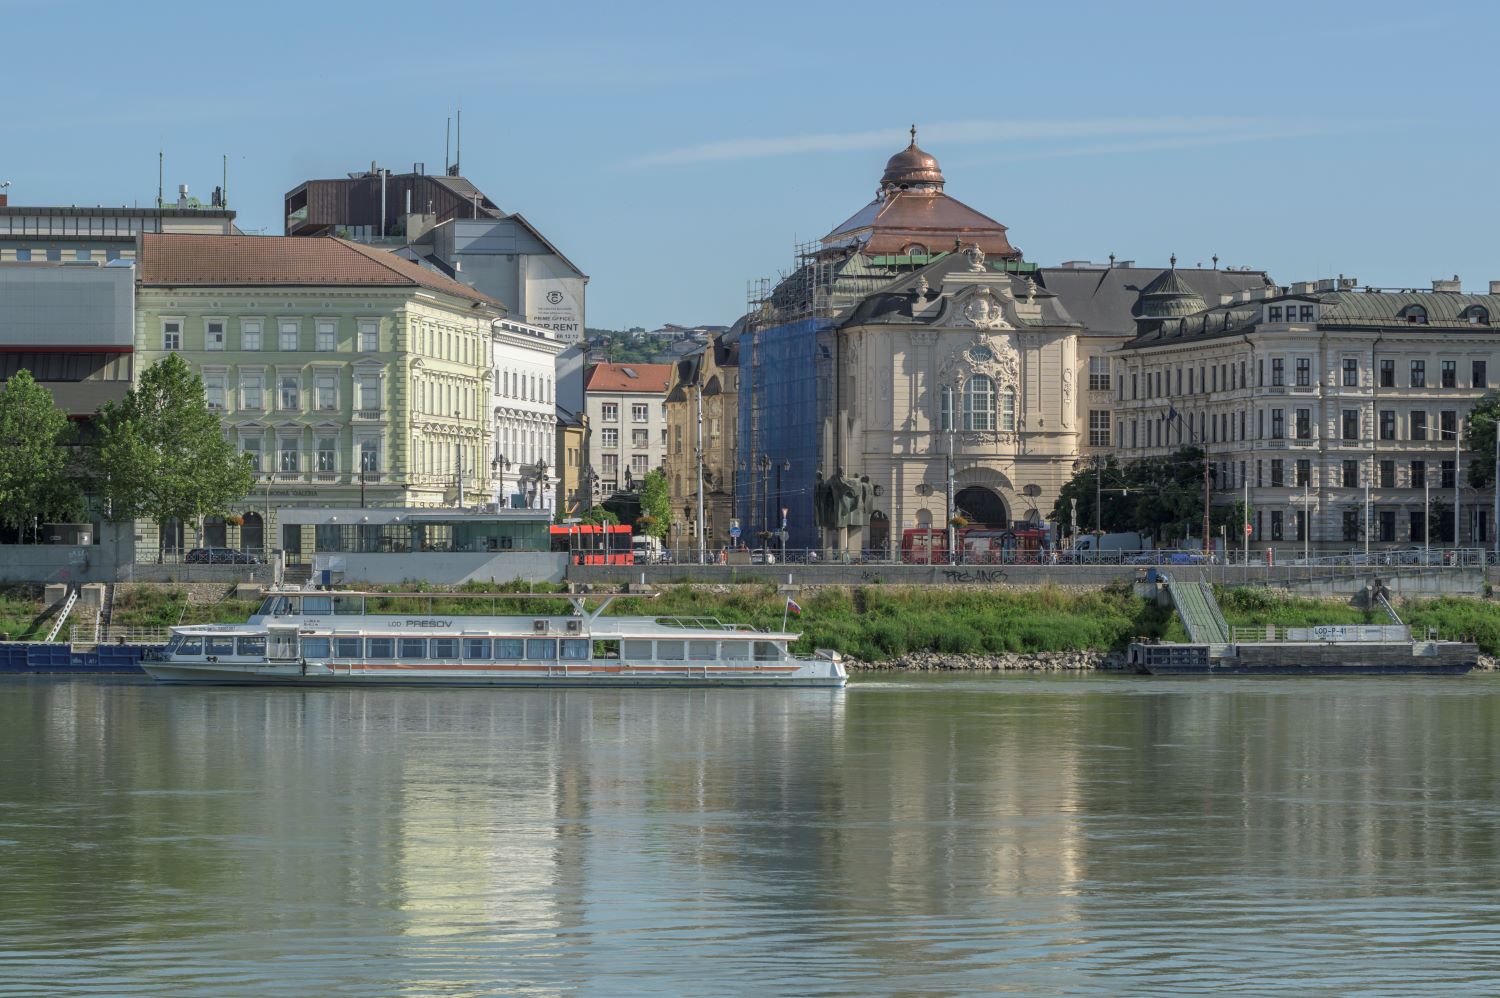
945,407
1477,315
1415,314
979,403
1008,410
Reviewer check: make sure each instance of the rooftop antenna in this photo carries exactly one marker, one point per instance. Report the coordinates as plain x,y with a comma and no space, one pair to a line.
447,135
1216,261
224,190
458,143
160,157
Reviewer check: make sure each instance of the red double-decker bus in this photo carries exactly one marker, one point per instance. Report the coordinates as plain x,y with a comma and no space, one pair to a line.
594,543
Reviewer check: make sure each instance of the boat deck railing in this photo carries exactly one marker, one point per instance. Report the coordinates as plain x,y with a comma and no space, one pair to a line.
702,624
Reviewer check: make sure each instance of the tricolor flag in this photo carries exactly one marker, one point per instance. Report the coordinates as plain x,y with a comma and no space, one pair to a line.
791,605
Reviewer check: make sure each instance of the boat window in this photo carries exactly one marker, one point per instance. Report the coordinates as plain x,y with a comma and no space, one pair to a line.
735,651
317,604
766,651
541,649
381,647
251,647
575,649
220,646
606,649
346,647
703,650
190,646
349,605
314,647
638,649
477,648
274,606
413,647
510,648
282,644
174,644
669,650
445,648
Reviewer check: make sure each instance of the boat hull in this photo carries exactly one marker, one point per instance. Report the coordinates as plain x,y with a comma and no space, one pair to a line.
235,675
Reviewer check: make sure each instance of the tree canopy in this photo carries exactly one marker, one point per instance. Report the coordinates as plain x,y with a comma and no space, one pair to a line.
1481,439
599,515
656,504
37,482
1159,496
162,454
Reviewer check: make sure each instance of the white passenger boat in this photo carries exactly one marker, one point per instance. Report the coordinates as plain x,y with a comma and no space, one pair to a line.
328,638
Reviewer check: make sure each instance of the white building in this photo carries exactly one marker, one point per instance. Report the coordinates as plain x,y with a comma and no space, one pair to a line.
523,361
626,406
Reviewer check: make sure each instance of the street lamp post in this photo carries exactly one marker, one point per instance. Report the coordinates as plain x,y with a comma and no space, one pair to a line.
764,464
458,450
498,467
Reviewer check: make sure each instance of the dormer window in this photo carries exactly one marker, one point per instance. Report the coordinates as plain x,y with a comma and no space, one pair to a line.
1477,315
1415,315
1273,313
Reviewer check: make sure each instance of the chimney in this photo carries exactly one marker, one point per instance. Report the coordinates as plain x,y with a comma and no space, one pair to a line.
1494,285
1454,285
1327,284
1302,287
182,195
4,200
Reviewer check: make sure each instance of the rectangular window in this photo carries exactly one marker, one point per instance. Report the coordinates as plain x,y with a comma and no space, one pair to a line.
640,464
251,446
1304,372
1419,425
1275,524
1305,313
1278,424
381,647
1304,424
289,335
477,648
413,647
1388,474
252,391
290,392
1351,524
574,649
369,336
610,437
323,338
611,412
1479,376
1278,372
541,649
1300,518
639,412
369,455
611,464
1387,520
1416,524
1273,313
1351,424
290,460
1449,374
171,334
1304,472
1387,424
1419,474
1351,474
1351,372
1448,474
347,648
213,391
1387,374
327,454
250,330
1099,374
510,649
1419,374
1448,423
445,648
640,438
369,395
1098,428
328,392
213,334
1278,473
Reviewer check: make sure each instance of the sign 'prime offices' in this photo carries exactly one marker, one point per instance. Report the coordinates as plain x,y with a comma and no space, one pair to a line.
556,304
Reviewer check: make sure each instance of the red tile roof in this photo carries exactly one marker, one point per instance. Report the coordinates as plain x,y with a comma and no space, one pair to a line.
649,378
174,259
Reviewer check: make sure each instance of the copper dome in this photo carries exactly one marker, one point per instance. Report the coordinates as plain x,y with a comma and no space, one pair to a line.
911,166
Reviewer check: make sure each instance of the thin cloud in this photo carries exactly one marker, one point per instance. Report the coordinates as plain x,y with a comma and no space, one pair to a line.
948,133
1157,145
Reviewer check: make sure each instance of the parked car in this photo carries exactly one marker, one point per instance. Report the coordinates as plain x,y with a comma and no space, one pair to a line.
222,556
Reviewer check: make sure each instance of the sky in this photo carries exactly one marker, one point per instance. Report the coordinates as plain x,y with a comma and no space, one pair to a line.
677,151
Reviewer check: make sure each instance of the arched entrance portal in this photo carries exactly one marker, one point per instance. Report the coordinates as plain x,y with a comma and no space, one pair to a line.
982,507
880,532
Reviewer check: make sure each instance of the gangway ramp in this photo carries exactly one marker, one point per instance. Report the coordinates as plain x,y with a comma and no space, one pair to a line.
1199,611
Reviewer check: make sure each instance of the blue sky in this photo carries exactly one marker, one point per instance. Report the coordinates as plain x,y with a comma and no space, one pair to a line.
675,151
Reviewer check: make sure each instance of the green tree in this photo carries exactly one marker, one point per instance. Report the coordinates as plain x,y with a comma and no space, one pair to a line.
599,515
656,504
37,482
162,453
1159,496
1481,439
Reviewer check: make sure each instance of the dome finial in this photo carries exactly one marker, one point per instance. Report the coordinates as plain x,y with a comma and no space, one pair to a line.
1174,261
914,133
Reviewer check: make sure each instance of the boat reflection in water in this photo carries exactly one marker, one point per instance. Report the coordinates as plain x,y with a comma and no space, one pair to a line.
312,637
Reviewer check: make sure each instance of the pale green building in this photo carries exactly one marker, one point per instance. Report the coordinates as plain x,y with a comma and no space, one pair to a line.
351,376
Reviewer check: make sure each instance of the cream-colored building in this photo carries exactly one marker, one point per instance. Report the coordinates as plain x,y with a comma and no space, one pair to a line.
523,465
1322,402
702,413
627,421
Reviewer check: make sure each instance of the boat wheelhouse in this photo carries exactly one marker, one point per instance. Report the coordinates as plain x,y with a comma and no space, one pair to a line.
338,638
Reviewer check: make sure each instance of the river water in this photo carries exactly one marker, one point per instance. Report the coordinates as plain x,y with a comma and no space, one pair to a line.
907,836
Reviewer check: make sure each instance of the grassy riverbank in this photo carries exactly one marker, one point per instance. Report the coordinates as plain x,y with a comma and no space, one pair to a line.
873,623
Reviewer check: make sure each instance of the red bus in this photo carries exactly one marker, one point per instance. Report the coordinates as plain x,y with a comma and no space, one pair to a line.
924,546
593,543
